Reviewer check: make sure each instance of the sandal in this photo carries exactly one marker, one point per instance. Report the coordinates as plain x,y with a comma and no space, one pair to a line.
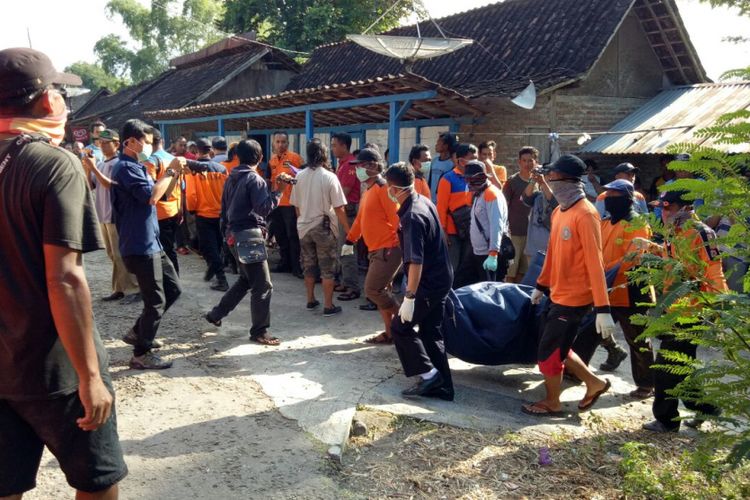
348,295
539,409
266,340
641,393
380,338
340,288
368,307
583,405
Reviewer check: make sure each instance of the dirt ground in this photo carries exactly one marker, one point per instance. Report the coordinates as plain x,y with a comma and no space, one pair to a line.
205,429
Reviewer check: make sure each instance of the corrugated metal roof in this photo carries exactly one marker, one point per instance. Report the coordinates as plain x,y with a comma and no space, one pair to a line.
682,111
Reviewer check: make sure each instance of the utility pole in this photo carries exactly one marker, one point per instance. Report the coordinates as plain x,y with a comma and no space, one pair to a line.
28,35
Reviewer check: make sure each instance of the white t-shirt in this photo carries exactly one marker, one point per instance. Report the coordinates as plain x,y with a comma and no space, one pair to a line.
317,192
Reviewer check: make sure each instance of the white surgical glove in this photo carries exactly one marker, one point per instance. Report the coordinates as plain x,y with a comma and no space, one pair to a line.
536,296
406,312
605,325
347,250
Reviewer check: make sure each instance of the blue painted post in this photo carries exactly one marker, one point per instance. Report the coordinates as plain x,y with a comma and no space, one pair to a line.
221,127
309,129
164,136
394,133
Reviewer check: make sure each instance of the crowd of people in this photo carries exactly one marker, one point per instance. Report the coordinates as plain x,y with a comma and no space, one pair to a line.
426,225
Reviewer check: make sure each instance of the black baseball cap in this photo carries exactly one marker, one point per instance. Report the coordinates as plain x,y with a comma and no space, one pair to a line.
626,168
25,71
474,167
367,155
219,143
569,165
671,198
203,144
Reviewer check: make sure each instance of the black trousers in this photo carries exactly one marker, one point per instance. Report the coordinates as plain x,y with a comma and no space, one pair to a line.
209,236
480,274
256,279
461,257
420,352
160,288
168,230
665,406
284,222
641,353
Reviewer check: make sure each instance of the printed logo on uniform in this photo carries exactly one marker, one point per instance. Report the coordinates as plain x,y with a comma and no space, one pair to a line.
566,233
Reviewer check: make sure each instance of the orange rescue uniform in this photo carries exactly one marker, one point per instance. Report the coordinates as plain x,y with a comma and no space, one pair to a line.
377,220
278,165
203,192
171,206
421,187
617,242
452,194
574,268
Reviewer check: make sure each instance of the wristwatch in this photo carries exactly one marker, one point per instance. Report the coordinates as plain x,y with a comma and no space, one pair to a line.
409,295
170,172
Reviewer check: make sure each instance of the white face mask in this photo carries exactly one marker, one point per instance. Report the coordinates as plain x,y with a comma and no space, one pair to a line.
146,152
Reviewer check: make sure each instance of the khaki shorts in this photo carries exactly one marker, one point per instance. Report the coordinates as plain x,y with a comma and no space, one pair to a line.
320,250
521,262
384,264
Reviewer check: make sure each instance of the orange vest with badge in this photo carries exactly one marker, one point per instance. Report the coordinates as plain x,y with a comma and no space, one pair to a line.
288,163
617,242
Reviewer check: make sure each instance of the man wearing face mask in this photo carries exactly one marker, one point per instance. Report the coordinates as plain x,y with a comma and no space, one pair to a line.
377,223
55,389
681,221
429,277
573,275
454,210
489,222
134,198
421,160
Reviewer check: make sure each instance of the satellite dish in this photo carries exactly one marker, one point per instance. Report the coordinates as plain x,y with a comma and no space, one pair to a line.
527,98
76,91
409,48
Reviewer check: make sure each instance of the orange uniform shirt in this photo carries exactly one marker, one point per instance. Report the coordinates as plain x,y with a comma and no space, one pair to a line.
229,165
421,187
574,268
278,165
203,192
501,173
452,194
702,244
171,206
377,219
617,242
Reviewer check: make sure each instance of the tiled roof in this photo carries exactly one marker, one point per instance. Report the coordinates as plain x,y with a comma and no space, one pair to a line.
175,88
548,41
674,116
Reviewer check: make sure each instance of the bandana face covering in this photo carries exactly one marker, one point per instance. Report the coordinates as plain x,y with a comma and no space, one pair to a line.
52,126
619,208
567,192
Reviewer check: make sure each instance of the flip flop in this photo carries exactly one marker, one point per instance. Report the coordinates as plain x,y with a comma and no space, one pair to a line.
340,288
380,338
595,397
528,409
265,340
349,295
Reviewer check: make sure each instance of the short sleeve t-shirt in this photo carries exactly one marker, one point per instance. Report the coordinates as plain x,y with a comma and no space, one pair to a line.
347,174
102,194
44,199
518,212
317,192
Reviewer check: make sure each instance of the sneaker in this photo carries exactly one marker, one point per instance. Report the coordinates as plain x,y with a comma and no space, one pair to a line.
615,356
149,361
312,305
424,387
656,426
331,311
131,338
208,275
113,296
220,285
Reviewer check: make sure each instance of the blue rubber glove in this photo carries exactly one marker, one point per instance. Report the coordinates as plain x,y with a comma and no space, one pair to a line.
490,263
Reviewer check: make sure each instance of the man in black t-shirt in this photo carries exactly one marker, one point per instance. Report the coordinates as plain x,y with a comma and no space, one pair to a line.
55,389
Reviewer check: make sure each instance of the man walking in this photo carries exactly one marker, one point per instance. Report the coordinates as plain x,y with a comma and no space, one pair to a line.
245,204
205,184
283,219
429,277
319,201
100,179
133,201
55,389
573,275
377,224
168,207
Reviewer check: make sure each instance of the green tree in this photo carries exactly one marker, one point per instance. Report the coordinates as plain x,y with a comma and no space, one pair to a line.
94,76
303,25
159,33
744,8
